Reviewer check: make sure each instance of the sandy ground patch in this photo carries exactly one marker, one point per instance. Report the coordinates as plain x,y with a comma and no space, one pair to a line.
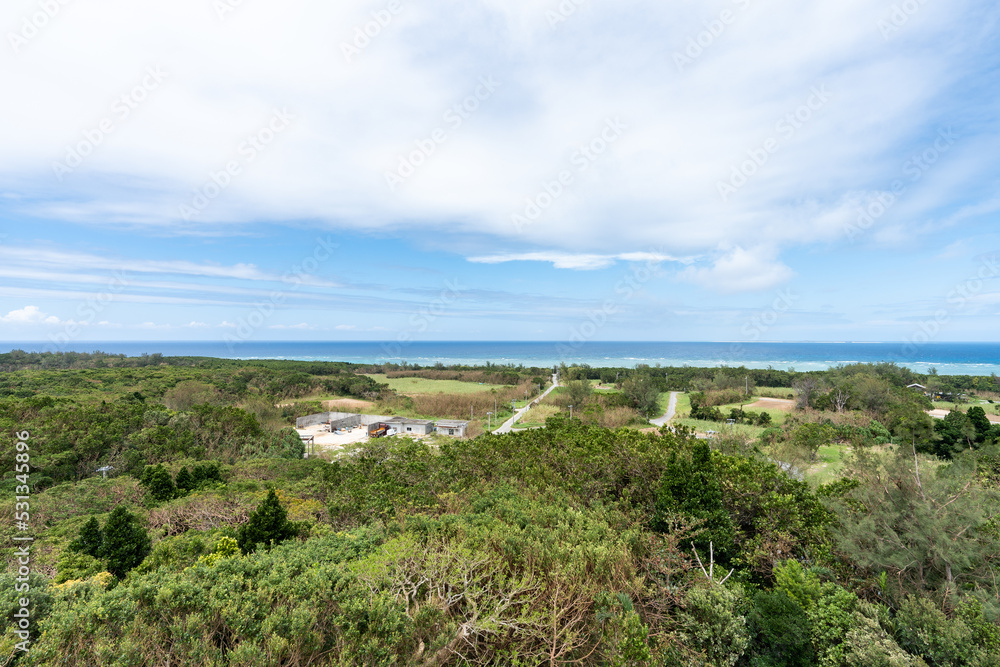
326,441
773,403
348,405
941,414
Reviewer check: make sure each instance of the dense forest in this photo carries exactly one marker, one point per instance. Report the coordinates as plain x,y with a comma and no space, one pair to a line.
211,541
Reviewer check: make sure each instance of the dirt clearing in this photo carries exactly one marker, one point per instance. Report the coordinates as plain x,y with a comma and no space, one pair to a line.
772,404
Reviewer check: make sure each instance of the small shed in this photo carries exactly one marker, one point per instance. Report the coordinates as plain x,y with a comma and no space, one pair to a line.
412,426
451,427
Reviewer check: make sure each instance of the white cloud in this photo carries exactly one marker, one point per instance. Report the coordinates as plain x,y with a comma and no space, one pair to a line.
687,127
300,326
29,315
583,262
741,271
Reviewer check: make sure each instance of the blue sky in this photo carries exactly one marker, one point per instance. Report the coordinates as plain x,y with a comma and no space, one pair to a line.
728,170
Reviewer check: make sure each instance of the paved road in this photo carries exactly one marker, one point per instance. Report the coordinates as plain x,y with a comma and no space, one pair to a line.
509,424
671,411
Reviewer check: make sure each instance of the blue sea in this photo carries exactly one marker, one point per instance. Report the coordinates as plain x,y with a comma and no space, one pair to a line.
947,358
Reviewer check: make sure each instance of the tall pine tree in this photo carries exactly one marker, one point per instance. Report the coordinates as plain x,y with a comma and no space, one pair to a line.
268,525
126,544
90,540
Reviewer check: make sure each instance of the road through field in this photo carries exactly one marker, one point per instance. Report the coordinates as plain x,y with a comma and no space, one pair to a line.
671,410
509,424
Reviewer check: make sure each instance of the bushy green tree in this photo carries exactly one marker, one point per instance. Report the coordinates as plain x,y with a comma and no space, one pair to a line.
780,629
924,630
184,481
90,539
158,482
954,433
268,525
205,472
977,417
126,543
642,393
578,391
690,485
810,437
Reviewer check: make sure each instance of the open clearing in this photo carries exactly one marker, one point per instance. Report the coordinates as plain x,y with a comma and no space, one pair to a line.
326,441
941,414
414,386
764,403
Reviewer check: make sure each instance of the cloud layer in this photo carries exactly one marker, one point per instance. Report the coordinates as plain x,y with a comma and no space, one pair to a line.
691,126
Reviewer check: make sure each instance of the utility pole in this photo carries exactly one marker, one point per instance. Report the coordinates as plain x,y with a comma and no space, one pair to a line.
571,413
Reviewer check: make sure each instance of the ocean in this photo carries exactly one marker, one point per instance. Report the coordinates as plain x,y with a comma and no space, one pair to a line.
947,358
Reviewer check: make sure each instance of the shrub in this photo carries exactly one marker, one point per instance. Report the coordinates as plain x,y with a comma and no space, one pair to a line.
126,544
268,525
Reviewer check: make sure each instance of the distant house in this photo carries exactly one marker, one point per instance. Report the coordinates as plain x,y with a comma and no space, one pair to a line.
334,421
451,427
414,426
918,387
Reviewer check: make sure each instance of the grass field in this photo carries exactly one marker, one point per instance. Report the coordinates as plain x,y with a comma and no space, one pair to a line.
990,408
775,392
536,416
703,426
778,417
416,386
829,463
662,403
683,404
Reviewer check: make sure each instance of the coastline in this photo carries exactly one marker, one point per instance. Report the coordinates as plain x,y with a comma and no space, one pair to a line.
980,359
